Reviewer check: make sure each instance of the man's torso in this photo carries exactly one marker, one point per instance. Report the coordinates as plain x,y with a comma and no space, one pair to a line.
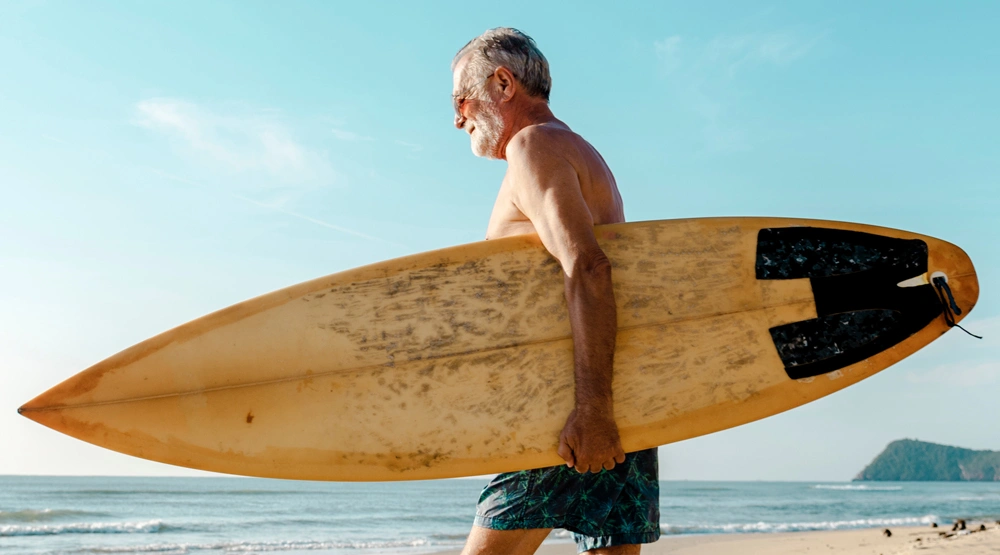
597,185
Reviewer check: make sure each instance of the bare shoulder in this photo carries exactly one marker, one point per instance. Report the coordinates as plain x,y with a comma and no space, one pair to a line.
541,142
543,157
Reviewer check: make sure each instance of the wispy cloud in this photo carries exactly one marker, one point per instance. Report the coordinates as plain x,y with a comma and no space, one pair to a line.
277,207
735,52
413,147
704,75
240,142
350,136
173,177
668,51
725,54
55,140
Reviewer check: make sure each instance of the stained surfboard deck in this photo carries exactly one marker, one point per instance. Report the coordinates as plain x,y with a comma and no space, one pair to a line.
459,361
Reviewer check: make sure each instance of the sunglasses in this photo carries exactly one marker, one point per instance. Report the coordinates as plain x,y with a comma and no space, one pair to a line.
458,99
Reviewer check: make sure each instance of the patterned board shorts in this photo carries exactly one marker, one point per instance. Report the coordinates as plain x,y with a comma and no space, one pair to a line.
613,507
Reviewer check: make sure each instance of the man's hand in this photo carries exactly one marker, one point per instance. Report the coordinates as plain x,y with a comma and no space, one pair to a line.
589,442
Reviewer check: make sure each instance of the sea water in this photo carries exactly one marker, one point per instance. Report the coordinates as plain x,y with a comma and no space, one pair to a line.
91,515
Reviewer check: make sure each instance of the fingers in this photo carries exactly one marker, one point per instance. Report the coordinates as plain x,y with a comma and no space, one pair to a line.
583,460
590,465
583,464
583,467
609,464
566,453
589,448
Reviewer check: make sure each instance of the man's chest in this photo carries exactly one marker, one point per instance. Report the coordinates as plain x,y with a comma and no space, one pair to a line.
506,218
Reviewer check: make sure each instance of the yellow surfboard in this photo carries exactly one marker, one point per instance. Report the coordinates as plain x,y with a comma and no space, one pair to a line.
459,361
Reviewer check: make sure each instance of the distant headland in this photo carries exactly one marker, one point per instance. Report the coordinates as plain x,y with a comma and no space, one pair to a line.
912,460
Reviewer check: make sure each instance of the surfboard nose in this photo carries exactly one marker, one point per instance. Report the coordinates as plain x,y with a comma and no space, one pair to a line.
31,408
30,411
41,401
41,409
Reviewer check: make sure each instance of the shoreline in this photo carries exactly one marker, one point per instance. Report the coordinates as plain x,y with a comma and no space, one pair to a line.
863,541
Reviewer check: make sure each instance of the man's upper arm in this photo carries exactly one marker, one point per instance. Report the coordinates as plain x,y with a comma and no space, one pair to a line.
547,191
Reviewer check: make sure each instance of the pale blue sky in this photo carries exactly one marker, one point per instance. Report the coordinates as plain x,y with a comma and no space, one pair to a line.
161,160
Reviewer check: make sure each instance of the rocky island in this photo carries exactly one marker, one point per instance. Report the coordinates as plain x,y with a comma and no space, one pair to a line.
912,460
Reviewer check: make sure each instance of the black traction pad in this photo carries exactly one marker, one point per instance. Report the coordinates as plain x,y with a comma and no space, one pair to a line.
854,275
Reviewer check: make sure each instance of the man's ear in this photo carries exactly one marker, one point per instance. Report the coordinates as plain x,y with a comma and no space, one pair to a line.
508,85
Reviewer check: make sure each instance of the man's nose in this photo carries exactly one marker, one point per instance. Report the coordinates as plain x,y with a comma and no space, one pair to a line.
459,120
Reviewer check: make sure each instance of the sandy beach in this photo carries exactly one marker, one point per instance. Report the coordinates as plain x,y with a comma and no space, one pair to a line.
923,539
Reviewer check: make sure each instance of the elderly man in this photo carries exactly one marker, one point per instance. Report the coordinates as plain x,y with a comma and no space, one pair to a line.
557,185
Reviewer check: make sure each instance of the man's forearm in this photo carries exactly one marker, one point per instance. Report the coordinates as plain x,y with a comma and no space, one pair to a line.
594,321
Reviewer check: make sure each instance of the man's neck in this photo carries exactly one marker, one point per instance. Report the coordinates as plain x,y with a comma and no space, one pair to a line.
534,112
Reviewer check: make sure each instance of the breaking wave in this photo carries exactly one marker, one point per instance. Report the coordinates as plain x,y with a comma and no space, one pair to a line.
144,527
765,527
857,487
255,547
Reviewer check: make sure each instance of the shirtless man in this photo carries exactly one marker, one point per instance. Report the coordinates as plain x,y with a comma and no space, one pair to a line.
557,185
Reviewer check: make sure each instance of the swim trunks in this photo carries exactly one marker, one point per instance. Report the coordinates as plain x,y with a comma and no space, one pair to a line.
620,506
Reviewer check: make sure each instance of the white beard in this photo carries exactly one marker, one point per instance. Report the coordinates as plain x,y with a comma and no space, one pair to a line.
488,128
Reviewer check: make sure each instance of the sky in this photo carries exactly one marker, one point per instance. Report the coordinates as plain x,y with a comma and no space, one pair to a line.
162,160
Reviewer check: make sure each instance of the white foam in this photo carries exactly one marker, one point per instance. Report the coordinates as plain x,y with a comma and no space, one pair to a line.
259,546
857,487
766,527
145,527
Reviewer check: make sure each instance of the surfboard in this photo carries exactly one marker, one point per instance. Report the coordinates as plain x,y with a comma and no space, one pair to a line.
459,361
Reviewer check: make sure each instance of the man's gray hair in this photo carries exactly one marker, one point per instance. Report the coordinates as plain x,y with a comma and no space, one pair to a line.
512,49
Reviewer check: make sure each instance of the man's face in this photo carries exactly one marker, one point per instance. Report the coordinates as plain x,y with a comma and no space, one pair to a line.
477,112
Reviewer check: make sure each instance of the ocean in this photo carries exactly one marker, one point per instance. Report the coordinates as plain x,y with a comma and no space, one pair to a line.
93,515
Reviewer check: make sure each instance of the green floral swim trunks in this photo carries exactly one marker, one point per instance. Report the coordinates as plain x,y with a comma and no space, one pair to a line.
620,506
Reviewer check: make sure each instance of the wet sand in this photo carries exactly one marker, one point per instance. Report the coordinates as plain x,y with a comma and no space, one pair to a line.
923,539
